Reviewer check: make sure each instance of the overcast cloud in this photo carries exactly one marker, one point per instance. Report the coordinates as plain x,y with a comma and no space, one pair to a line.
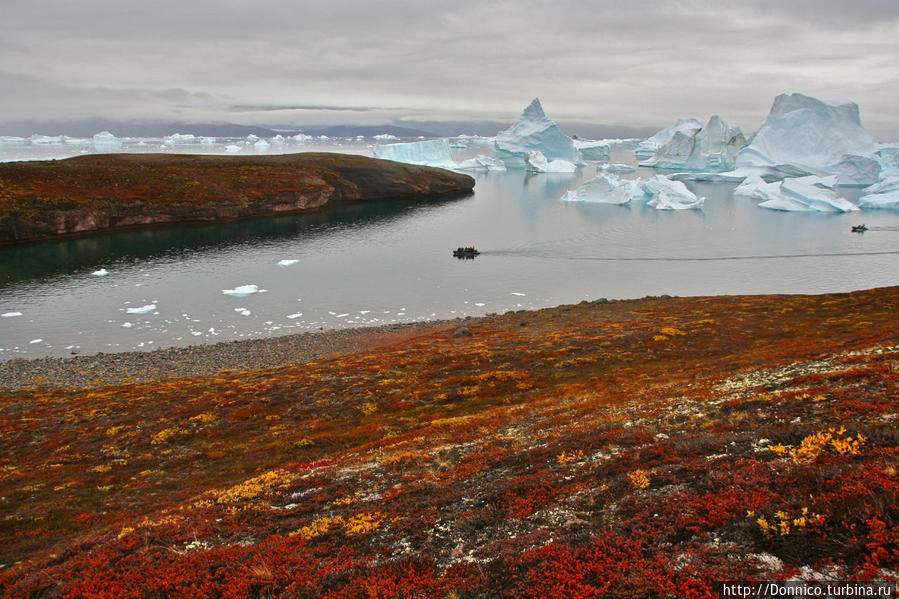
360,62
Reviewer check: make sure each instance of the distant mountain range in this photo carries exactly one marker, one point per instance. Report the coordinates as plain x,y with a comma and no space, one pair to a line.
405,129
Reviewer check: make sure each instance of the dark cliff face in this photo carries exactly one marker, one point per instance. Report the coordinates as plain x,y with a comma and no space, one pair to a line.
44,199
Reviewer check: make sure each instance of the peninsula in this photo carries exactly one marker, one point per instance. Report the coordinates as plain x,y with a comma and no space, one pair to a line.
86,194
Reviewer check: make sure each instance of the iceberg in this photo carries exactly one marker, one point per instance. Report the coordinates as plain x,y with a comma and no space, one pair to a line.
883,195
180,138
300,138
287,262
616,168
243,290
100,273
232,148
800,194
277,140
385,137
262,145
534,131
482,163
106,141
46,139
141,310
647,148
713,147
593,150
888,200
604,189
664,194
809,133
536,162
432,152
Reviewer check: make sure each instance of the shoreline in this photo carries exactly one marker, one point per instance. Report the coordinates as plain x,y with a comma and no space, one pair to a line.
125,367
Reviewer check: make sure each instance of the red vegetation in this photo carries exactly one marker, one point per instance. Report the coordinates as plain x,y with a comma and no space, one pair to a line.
648,448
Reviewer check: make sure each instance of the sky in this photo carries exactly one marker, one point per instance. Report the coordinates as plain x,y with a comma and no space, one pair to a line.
293,63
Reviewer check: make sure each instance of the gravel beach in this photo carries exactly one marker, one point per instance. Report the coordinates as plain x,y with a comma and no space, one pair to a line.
200,360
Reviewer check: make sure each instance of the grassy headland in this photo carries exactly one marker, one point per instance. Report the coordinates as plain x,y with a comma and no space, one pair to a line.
645,448
41,199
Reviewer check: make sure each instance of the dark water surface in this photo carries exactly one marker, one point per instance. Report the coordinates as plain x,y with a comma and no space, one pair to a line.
391,262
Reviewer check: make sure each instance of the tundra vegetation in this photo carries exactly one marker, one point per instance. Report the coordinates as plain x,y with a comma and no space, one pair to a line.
645,448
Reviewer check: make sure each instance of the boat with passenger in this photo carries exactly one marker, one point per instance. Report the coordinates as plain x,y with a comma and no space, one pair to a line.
467,252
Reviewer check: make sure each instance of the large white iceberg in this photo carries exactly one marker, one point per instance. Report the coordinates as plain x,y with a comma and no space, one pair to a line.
604,189
659,192
534,131
482,163
808,132
800,194
536,162
713,147
648,147
431,152
593,150
664,194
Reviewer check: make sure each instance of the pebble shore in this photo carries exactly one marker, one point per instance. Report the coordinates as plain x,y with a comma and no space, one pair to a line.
201,360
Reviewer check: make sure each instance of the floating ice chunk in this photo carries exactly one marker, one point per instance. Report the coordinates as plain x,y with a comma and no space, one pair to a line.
385,137
480,304
808,132
100,273
647,148
364,312
616,168
713,147
252,137
883,195
293,316
243,311
107,141
536,162
11,140
262,145
534,131
756,188
208,141
241,291
888,200
735,176
141,310
344,315
431,152
127,325
277,140
324,137
664,194
593,150
10,314
181,138
33,341
46,139
287,262
232,148
604,189
518,294
482,163
301,138
804,195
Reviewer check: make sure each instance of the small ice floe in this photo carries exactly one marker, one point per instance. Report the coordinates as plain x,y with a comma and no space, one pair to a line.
242,291
480,304
293,316
344,315
141,310
10,314
518,294
364,312
288,262
232,148
33,341
127,325
243,311
100,273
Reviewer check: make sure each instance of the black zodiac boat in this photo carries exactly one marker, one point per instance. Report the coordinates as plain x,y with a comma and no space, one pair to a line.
465,252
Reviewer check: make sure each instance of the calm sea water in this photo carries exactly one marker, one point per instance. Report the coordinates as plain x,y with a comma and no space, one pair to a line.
391,262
